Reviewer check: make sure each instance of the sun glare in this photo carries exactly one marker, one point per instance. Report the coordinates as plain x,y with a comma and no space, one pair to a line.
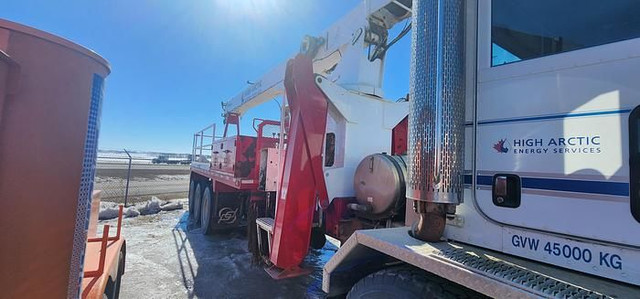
255,9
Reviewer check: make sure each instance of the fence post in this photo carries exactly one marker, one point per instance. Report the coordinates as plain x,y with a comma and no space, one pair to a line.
126,190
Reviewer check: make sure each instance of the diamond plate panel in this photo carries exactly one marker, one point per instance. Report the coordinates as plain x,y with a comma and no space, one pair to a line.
546,285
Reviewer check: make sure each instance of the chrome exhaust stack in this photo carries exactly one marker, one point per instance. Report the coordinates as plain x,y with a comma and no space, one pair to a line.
436,113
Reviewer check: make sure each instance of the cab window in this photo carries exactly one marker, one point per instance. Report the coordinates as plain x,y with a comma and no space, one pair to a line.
526,29
329,149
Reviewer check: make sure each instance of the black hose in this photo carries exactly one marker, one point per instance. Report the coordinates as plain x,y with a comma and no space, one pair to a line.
380,51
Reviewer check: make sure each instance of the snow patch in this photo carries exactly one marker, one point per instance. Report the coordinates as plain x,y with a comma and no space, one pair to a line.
108,210
170,206
131,212
150,207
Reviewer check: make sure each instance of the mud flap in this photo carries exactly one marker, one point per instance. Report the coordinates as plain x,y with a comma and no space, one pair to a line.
229,211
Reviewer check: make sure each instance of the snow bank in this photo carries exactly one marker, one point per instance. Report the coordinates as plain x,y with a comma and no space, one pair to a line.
109,210
150,207
170,206
131,212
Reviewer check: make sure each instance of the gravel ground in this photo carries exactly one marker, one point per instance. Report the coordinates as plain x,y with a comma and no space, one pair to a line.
149,171
146,180
167,260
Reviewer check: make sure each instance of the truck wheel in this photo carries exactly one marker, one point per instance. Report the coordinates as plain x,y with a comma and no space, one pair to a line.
192,191
205,213
110,289
116,294
197,201
403,282
318,239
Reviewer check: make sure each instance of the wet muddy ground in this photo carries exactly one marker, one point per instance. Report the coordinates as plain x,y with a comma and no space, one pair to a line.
166,260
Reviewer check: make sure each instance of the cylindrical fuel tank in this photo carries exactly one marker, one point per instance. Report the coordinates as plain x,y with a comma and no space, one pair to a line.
379,183
50,98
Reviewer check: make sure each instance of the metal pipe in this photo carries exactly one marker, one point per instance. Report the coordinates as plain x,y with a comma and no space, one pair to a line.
213,139
103,253
431,223
402,6
436,113
201,142
126,190
359,207
193,148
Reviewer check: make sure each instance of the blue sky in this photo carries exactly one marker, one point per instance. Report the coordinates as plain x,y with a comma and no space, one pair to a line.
174,62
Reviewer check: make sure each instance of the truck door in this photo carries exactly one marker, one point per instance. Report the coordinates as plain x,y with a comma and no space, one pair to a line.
557,81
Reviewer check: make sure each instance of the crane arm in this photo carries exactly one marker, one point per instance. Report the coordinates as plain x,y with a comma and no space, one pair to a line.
338,54
258,92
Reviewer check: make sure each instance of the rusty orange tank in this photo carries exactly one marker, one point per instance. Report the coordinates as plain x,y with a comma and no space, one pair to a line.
50,97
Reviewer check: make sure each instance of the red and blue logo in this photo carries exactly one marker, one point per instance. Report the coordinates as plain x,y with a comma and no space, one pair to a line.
502,146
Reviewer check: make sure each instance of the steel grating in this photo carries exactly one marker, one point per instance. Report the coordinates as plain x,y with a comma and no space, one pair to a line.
437,98
83,211
518,275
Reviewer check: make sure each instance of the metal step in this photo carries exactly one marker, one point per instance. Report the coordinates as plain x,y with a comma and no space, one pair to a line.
277,273
519,275
265,224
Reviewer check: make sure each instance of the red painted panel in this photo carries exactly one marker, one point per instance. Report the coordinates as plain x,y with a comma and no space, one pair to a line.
231,119
337,211
302,179
227,179
245,158
224,155
235,156
399,137
219,186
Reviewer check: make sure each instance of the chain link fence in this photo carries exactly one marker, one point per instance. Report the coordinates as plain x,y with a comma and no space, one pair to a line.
139,178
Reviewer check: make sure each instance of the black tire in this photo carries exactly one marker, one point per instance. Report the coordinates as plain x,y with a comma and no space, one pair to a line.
197,200
192,191
110,289
318,239
205,211
116,294
403,282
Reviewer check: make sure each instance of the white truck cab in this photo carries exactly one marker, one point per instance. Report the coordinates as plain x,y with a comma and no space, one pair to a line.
551,197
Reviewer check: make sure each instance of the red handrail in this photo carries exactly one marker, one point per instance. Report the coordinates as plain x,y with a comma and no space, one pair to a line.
103,254
103,246
117,236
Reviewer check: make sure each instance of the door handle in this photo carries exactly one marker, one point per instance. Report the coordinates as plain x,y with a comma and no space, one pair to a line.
500,187
507,190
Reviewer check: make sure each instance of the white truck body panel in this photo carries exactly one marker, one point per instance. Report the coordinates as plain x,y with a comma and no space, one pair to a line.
362,125
575,202
575,196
